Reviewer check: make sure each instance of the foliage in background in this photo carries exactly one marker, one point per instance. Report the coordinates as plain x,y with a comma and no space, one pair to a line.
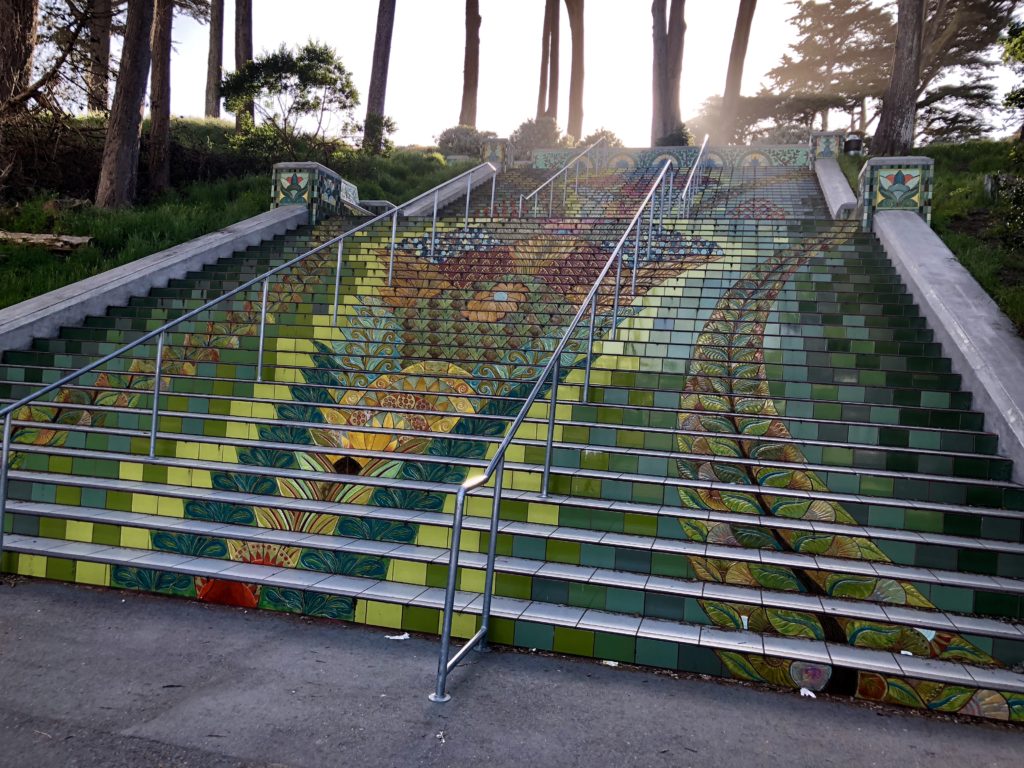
118,236
299,97
540,133
463,140
986,235
680,137
1013,56
610,139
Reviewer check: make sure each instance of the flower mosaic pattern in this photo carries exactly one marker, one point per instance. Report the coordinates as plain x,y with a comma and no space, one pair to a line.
728,417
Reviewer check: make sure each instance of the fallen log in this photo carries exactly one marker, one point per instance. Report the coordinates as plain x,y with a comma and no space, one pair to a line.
63,243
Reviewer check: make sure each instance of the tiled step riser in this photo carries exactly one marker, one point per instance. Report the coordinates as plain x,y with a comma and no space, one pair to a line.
890,413
677,597
650,642
48,488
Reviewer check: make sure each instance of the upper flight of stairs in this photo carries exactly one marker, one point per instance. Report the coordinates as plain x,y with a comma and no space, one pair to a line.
776,476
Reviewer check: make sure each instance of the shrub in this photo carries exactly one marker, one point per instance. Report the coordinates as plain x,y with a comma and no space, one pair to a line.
542,133
463,140
610,139
680,137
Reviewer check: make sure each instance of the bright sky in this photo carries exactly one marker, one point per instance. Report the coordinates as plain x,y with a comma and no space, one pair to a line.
425,78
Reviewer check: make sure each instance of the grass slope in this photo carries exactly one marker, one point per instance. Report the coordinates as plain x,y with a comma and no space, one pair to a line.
122,236
970,224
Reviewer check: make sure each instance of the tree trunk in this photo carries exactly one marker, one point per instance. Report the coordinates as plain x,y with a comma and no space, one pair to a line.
160,99
17,42
556,15
895,134
575,9
734,79
471,65
215,58
97,82
668,67
373,133
243,54
545,53
119,168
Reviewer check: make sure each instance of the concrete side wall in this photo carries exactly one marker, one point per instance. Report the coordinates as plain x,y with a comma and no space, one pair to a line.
453,191
980,340
839,196
43,316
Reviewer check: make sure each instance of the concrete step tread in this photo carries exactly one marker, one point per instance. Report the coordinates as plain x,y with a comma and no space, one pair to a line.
954,673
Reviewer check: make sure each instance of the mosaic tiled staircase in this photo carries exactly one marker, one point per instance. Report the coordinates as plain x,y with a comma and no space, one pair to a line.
776,476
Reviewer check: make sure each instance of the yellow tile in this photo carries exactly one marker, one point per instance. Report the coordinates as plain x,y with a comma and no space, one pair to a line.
78,530
135,538
129,471
179,476
92,573
383,614
471,580
470,541
464,625
359,616
144,504
407,572
433,536
32,565
546,514
170,507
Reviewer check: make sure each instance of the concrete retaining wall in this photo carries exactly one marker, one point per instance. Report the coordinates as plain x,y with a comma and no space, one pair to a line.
980,340
454,191
839,196
43,316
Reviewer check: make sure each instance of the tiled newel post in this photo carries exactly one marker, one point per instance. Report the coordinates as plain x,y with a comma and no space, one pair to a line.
826,144
896,184
316,186
497,152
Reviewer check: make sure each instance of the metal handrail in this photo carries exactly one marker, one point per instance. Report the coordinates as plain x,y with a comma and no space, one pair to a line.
495,468
563,170
159,333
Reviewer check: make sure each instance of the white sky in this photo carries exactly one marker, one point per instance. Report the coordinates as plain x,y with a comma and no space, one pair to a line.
425,79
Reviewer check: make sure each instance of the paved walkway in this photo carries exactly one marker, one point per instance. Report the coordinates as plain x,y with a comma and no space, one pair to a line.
94,677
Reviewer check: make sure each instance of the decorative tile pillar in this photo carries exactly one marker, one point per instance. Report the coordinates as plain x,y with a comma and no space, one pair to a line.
497,152
826,144
314,185
896,184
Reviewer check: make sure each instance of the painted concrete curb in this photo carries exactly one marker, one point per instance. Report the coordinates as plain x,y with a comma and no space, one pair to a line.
839,195
982,343
448,194
43,316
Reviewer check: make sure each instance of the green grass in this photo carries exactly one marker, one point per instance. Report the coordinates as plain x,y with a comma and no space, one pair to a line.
122,236
969,224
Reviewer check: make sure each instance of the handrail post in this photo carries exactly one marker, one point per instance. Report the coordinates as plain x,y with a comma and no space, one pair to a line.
155,414
494,183
492,551
590,347
551,430
650,227
5,457
671,184
565,188
433,228
391,259
520,206
439,694
636,260
615,302
263,330
551,200
577,166
469,191
337,280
